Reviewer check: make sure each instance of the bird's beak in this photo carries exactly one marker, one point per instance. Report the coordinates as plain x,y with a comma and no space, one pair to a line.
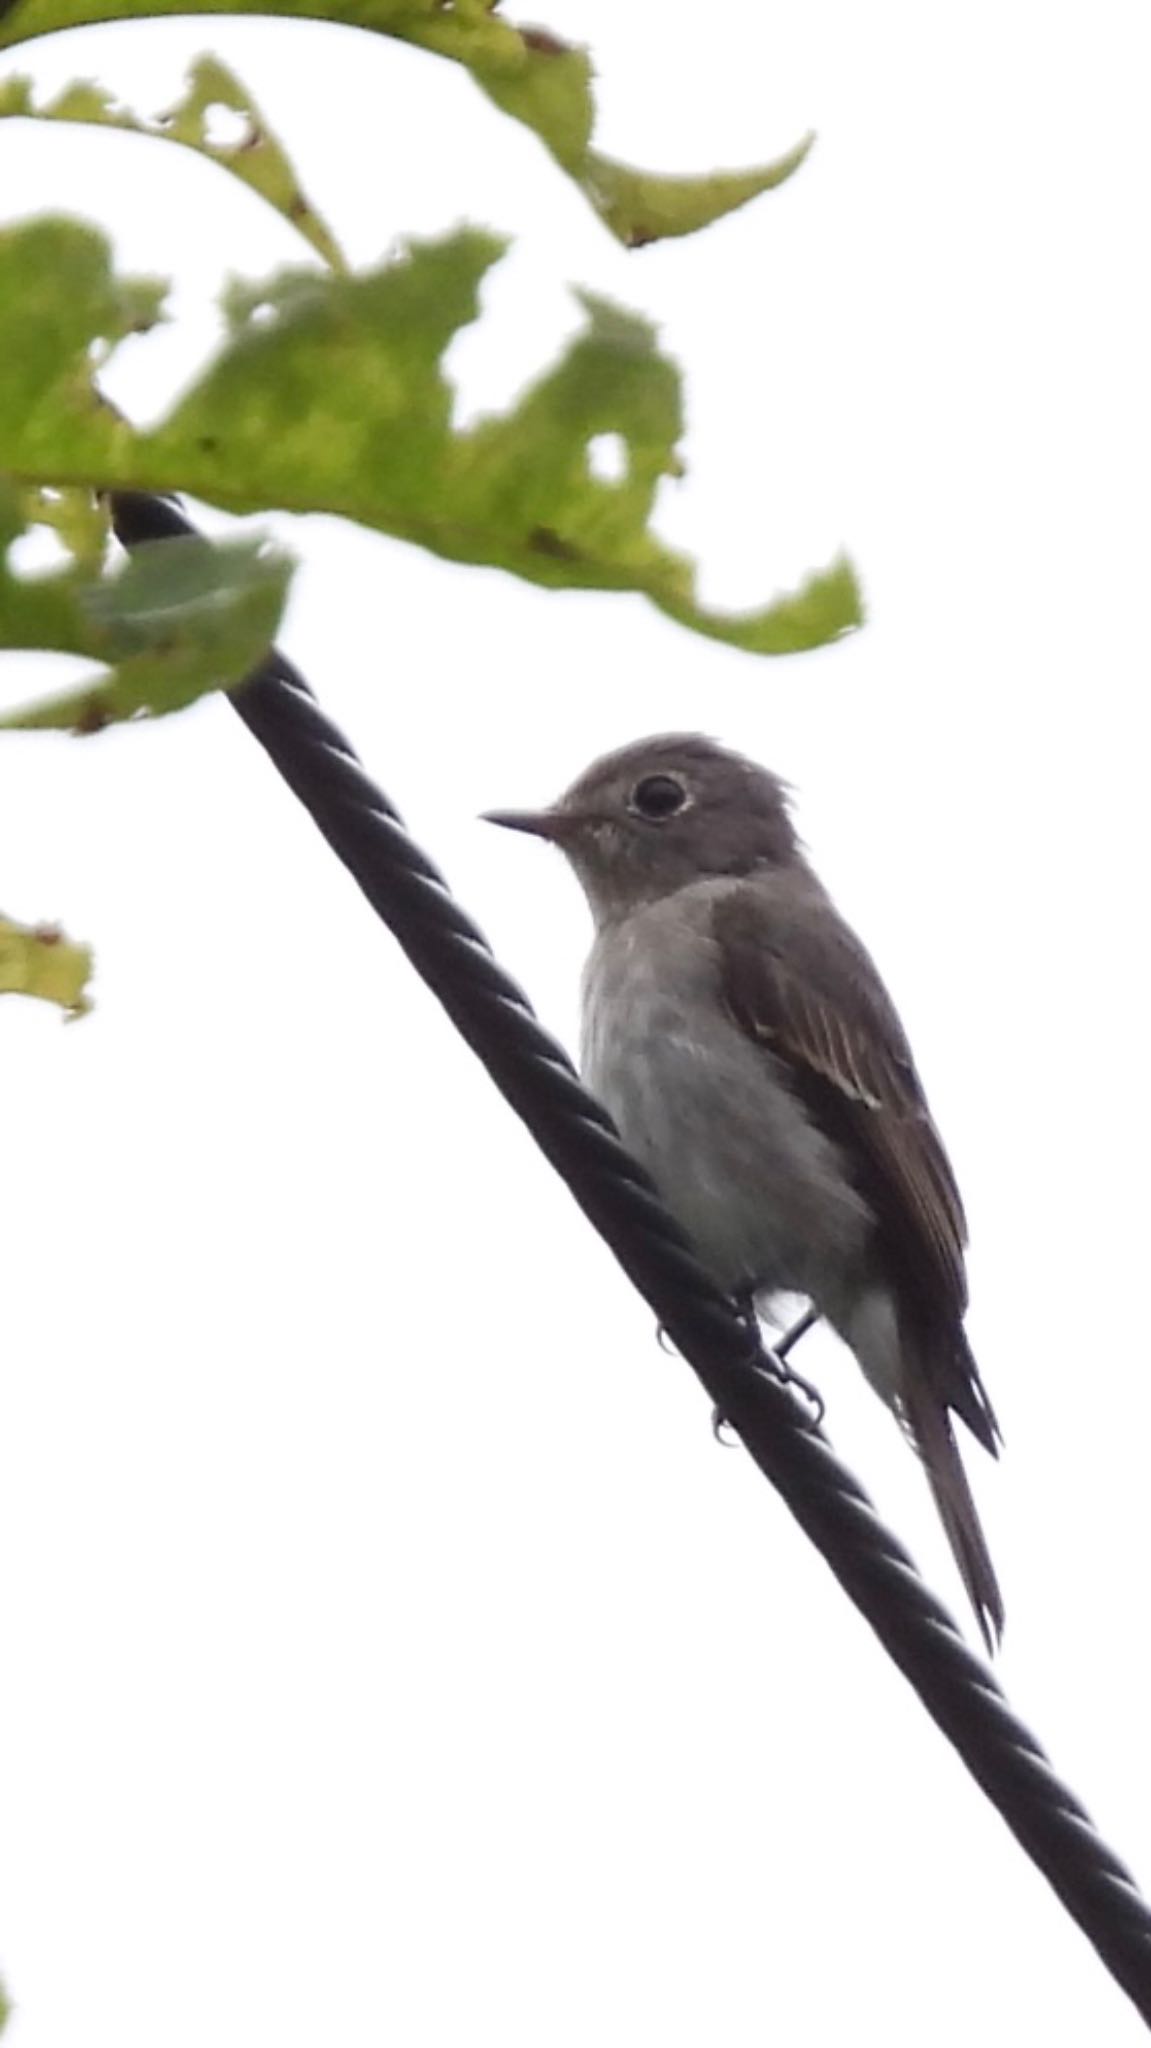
545,824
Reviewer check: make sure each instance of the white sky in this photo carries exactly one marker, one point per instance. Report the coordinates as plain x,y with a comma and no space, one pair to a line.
389,1652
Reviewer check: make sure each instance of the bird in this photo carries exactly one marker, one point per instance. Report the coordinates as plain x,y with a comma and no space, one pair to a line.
744,1043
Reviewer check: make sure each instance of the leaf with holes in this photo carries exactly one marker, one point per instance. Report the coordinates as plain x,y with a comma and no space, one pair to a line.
331,397
256,156
529,73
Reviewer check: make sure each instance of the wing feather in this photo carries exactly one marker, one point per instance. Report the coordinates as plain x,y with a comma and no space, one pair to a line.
796,979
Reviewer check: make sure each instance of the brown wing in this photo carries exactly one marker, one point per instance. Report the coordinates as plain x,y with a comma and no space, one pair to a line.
797,979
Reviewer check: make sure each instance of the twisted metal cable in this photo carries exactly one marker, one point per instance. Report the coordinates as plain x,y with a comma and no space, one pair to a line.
537,1078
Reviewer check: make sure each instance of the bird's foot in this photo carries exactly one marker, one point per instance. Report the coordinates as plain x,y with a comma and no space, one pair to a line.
777,1368
772,1364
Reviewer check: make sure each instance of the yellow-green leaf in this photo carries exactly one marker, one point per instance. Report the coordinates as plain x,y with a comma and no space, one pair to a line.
77,518
534,76
331,397
257,157
640,207
37,960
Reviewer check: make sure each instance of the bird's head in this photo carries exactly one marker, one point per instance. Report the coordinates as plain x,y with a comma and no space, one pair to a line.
645,820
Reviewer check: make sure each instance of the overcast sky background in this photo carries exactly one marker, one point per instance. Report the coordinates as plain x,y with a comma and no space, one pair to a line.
389,1652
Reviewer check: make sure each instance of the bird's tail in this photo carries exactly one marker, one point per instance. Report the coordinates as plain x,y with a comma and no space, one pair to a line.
928,1422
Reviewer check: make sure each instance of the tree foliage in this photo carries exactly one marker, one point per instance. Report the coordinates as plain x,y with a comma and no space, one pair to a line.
328,392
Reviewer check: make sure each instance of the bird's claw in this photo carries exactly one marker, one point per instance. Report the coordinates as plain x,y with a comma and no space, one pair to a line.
772,1368
776,1368
771,1363
722,1430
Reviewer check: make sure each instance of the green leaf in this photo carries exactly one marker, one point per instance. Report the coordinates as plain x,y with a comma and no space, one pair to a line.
331,397
173,621
37,960
257,157
77,518
826,605
639,207
63,312
531,74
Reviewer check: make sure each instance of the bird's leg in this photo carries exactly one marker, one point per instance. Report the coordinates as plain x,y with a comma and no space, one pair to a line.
775,1362
799,1328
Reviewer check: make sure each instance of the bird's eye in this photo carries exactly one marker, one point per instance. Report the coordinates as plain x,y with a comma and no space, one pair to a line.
658,796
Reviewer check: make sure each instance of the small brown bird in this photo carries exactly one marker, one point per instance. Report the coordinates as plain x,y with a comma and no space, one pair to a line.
742,1039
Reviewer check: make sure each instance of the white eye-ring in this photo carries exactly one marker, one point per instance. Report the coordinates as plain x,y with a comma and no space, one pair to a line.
658,797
